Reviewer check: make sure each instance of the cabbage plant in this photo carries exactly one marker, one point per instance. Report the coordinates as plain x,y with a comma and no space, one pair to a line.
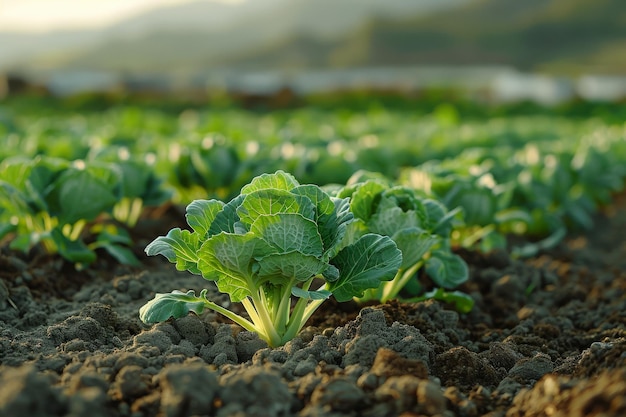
421,229
276,244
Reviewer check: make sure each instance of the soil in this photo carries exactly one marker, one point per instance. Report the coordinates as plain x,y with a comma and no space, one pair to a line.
547,337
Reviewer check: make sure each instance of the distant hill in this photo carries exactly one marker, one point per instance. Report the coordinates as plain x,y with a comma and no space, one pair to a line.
561,36
278,24
565,36
569,35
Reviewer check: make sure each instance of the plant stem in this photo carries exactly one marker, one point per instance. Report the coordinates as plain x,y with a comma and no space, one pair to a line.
233,316
470,240
296,321
265,323
282,318
311,307
392,288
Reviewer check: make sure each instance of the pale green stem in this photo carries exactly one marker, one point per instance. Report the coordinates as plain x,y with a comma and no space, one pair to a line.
311,308
477,235
259,301
250,310
282,318
295,321
128,210
121,209
393,287
276,299
49,223
135,211
45,224
234,317
77,229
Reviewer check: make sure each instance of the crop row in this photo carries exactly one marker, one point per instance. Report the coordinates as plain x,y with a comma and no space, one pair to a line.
74,184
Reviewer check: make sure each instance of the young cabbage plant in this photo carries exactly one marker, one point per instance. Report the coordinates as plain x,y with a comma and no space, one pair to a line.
53,202
274,241
419,226
141,187
135,181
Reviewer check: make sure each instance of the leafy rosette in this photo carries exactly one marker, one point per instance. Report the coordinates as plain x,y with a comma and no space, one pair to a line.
268,244
419,226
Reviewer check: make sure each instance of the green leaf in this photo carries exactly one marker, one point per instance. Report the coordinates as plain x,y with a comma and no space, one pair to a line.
435,215
363,265
16,170
402,197
310,295
77,195
134,178
5,229
446,269
176,304
531,249
463,303
362,202
579,216
280,180
512,215
331,273
214,167
389,221
107,173
324,206
178,246
268,202
414,243
43,173
23,242
111,233
228,260
492,241
227,219
479,205
334,227
445,224
13,200
200,215
278,267
72,250
331,214
122,254
287,232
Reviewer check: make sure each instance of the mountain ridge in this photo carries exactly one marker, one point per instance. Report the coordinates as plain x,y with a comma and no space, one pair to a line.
534,35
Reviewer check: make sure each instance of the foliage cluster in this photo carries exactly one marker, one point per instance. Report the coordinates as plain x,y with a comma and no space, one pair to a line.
75,208
266,245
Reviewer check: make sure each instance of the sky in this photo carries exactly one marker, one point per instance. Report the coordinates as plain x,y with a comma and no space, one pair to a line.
46,15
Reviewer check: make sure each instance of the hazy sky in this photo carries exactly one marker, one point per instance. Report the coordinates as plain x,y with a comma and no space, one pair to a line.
42,15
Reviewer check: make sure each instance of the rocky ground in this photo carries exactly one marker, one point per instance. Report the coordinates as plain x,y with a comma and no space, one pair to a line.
547,337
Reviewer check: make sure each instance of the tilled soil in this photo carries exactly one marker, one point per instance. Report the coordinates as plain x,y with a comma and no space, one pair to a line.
547,337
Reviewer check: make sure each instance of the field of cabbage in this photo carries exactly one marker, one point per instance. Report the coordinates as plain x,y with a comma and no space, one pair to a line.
498,233
535,174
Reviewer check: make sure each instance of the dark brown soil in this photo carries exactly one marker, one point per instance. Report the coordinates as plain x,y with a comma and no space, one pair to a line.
547,337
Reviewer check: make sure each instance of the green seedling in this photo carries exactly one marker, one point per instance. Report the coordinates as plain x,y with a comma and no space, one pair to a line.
266,248
419,226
